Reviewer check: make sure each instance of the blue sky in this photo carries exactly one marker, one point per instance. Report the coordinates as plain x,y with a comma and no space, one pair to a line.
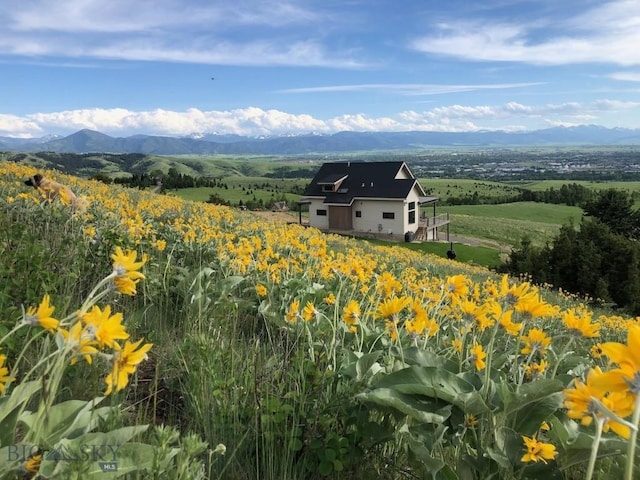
274,67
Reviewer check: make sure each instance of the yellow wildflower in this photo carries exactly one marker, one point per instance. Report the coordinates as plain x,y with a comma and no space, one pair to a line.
5,379
580,324
538,451
581,405
625,378
351,314
125,269
330,299
457,286
535,341
261,290
125,362
309,312
477,356
104,327
391,308
81,340
42,315
32,464
292,314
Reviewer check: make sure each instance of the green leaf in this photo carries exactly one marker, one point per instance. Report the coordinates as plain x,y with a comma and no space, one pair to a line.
424,358
99,451
11,407
531,404
325,468
365,363
424,410
435,383
66,420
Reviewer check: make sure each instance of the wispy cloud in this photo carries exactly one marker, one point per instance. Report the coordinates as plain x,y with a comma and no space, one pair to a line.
408,89
608,33
243,32
625,76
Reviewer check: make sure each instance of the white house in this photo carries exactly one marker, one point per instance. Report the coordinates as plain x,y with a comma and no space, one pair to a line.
380,198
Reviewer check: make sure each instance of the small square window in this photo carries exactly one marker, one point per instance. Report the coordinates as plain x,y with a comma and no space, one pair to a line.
358,213
388,215
412,205
321,213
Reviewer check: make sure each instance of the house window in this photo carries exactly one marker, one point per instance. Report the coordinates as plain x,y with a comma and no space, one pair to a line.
321,213
358,213
412,213
327,188
388,215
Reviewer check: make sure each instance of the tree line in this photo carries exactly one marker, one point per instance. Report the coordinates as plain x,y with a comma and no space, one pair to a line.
600,257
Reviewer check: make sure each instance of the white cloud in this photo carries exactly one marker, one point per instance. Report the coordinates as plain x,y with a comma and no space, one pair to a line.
257,121
242,32
608,33
625,76
409,89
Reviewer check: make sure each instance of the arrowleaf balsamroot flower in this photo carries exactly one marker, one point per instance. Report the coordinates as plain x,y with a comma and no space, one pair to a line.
125,362
535,341
293,312
42,315
4,374
478,355
82,341
625,378
351,314
538,451
309,312
579,323
125,269
106,328
581,403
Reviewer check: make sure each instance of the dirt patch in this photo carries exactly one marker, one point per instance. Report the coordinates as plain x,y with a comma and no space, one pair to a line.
286,217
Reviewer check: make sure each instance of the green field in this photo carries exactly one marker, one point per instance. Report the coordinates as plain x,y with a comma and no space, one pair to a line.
461,187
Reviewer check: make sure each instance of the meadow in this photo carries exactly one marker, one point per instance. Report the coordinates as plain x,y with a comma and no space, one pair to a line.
203,342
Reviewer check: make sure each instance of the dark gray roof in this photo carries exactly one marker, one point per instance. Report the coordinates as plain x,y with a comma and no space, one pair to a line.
363,180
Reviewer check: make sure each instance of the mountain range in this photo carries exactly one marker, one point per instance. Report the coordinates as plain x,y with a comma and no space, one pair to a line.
89,141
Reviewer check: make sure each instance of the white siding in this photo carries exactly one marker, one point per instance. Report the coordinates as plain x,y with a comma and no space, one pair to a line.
321,222
371,219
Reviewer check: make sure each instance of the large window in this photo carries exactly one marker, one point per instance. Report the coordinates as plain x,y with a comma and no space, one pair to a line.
412,213
321,213
388,215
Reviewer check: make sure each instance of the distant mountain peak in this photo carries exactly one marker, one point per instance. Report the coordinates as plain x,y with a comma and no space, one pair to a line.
86,140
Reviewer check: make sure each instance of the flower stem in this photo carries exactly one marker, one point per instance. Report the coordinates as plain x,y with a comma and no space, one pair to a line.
594,446
633,438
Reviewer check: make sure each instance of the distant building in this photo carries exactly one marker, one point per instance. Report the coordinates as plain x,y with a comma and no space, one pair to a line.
378,198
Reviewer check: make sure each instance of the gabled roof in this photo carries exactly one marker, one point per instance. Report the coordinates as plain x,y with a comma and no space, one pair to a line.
362,180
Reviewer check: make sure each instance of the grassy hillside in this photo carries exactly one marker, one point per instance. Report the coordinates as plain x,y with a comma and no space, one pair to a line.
300,355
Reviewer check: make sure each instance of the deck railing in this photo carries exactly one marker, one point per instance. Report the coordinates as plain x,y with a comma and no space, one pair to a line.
433,222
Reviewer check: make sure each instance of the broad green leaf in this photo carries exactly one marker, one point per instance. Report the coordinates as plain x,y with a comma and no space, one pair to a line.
424,358
531,404
365,363
421,409
65,420
435,383
97,450
11,408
